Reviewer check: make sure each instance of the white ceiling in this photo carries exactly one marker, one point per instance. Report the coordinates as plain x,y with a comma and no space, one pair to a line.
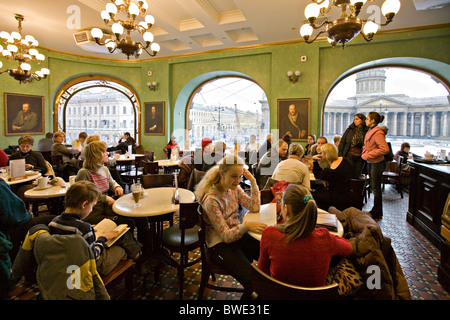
191,26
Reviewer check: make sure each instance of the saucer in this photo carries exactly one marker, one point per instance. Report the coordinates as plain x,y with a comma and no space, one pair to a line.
47,187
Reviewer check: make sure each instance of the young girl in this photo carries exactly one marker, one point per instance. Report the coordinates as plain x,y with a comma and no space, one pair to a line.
375,147
296,252
228,242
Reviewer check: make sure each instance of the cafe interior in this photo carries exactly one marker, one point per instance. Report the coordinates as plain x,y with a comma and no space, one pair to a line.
160,52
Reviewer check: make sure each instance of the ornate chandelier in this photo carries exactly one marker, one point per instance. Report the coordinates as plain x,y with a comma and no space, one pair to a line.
22,50
123,42
348,25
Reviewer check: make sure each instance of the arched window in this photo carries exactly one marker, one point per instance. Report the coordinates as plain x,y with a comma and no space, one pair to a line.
228,109
414,103
90,106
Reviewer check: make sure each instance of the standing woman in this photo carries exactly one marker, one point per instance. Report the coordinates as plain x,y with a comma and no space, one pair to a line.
227,239
375,147
352,142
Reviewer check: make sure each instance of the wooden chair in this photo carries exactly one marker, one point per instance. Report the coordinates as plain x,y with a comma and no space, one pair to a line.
357,193
149,155
195,178
268,288
181,238
124,271
149,167
266,196
209,268
157,180
47,155
57,160
393,177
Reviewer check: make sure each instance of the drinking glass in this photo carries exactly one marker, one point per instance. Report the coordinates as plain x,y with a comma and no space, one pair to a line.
136,192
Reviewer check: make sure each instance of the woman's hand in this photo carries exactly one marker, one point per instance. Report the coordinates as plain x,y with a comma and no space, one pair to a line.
255,227
248,175
118,191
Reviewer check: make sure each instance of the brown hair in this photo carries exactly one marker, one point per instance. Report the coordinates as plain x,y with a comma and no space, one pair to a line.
303,217
80,192
376,116
82,135
26,140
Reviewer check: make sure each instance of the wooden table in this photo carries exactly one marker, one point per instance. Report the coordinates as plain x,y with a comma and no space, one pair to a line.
156,206
268,216
167,164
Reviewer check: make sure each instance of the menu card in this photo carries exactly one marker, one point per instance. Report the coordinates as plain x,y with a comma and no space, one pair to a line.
327,220
17,169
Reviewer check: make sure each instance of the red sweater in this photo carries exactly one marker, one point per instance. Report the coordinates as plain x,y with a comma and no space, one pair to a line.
303,262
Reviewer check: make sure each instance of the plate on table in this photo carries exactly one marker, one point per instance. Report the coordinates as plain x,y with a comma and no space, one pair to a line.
45,188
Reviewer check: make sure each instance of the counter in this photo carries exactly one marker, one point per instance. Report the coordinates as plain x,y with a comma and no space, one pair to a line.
429,189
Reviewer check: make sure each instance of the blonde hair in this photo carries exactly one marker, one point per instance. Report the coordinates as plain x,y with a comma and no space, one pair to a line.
58,134
93,138
303,218
93,154
296,150
212,176
331,152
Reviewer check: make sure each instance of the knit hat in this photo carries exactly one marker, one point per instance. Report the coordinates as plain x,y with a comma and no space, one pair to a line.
205,142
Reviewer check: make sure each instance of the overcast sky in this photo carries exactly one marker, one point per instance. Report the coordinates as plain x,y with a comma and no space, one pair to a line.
398,80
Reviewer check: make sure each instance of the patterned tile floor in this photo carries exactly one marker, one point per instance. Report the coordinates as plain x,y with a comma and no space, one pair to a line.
417,256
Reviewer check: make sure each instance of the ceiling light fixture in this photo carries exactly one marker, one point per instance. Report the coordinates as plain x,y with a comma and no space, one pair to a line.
22,50
348,25
123,42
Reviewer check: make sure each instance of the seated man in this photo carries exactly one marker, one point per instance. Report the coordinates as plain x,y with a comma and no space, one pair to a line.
269,162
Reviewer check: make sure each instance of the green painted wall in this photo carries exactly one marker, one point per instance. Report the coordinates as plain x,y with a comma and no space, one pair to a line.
177,77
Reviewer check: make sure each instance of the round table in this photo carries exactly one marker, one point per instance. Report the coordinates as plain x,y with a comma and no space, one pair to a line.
268,215
167,164
156,206
53,195
29,177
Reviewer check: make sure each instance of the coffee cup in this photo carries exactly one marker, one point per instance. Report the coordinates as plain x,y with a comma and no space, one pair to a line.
72,179
42,182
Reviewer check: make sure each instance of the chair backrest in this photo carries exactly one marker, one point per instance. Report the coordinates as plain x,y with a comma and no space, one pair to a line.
57,159
150,167
157,180
149,155
268,288
201,235
357,192
189,216
47,155
399,165
195,178
266,196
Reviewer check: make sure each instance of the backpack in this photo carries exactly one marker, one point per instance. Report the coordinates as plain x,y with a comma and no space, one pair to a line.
389,157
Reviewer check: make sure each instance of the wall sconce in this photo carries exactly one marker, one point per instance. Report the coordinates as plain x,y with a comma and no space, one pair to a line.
152,85
293,76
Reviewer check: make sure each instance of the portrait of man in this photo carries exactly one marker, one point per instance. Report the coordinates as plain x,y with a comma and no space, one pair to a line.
23,114
154,118
294,118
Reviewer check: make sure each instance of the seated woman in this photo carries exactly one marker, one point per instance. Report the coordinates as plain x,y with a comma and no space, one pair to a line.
59,149
227,239
403,152
33,161
295,251
292,170
337,178
95,171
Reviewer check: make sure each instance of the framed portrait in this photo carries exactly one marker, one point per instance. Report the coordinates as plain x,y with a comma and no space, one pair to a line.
154,122
24,114
294,118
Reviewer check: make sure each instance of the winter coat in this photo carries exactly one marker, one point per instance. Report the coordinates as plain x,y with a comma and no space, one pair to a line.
346,140
371,248
375,145
66,268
